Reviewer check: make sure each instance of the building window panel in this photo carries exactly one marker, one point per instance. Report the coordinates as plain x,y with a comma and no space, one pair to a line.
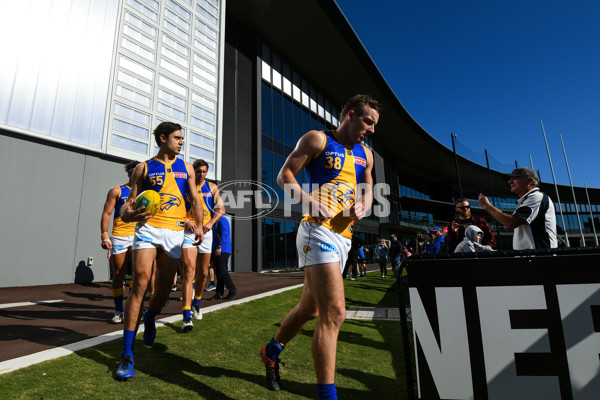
176,30
129,144
266,72
210,67
205,39
208,6
182,11
201,139
172,86
136,35
176,45
136,68
151,3
169,66
203,85
211,18
205,49
134,82
206,29
206,75
171,55
202,152
182,23
133,96
136,5
203,101
171,111
137,49
199,111
132,114
130,129
138,23
210,128
174,100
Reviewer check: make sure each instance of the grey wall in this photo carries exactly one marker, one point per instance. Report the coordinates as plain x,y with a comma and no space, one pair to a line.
51,203
239,159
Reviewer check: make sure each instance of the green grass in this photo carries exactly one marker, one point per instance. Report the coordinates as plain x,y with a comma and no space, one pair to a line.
219,359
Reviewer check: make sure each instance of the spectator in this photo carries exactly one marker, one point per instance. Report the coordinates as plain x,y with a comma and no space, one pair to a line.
438,240
534,220
362,262
456,227
381,252
352,258
395,253
472,241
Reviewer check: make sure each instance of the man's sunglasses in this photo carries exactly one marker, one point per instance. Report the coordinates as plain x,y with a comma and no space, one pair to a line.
464,207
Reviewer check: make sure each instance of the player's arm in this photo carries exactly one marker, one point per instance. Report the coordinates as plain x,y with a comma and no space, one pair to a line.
364,196
128,214
192,192
307,147
219,207
510,221
109,206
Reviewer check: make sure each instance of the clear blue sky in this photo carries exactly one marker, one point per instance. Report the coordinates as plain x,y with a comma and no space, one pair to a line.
490,71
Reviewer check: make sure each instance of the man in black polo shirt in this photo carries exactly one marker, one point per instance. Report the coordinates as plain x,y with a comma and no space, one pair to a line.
534,220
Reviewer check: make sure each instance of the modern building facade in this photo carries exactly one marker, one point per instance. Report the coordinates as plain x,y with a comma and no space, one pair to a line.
83,84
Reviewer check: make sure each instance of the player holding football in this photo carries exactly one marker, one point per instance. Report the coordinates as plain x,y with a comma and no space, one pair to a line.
120,241
336,162
157,237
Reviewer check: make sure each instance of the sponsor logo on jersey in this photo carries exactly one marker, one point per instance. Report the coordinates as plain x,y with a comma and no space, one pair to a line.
180,223
334,153
143,238
168,200
306,249
326,247
209,194
360,161
180,175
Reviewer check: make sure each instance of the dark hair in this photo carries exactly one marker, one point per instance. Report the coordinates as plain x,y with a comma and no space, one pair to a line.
199,163
165,128
130,166
358,103
461,200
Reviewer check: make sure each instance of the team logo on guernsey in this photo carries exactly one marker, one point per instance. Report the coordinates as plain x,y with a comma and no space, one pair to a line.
326,247
341,192
349,152
180,175
306,249
360,161
168,200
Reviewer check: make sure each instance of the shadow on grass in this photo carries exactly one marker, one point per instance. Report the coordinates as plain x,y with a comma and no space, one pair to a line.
173,369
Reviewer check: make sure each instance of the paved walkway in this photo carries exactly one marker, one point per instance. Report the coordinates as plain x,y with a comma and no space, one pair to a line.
375,314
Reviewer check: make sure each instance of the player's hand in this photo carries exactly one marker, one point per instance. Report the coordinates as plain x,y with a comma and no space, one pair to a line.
357,211
199,235
208,227
130,215
319,211
190,226
483,201
218,251
106,244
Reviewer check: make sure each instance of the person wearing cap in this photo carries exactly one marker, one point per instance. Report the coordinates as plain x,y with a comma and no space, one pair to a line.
395,253
534,220
438,240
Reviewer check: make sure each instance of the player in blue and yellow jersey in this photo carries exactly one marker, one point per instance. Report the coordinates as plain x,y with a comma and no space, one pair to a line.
339,169
157,237
196,259
120,240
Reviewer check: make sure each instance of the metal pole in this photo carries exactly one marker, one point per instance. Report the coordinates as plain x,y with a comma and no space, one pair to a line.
591,215
573,191
453,136
555,186
531,162
487,162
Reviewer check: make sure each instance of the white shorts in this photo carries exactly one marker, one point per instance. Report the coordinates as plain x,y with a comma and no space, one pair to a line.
147,237
120,244
189,238
319,245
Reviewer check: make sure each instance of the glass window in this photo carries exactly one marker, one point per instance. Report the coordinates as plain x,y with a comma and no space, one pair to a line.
206,14
176,45
132,114
267,243
176,101
205,74
133,96
143,9
171,55
279,243
136,68
201,112
138,23
172,86
203,101
210,128
277,164
288,133
205,64
290,239
205,39
297,122
209,7
182,11
169,66
170,111
137,49
277,116
168,25
267,168
201,139
130,128
206,29
125,143
266,123
202,152
134,82
205,49
267,143
143,39
306,121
